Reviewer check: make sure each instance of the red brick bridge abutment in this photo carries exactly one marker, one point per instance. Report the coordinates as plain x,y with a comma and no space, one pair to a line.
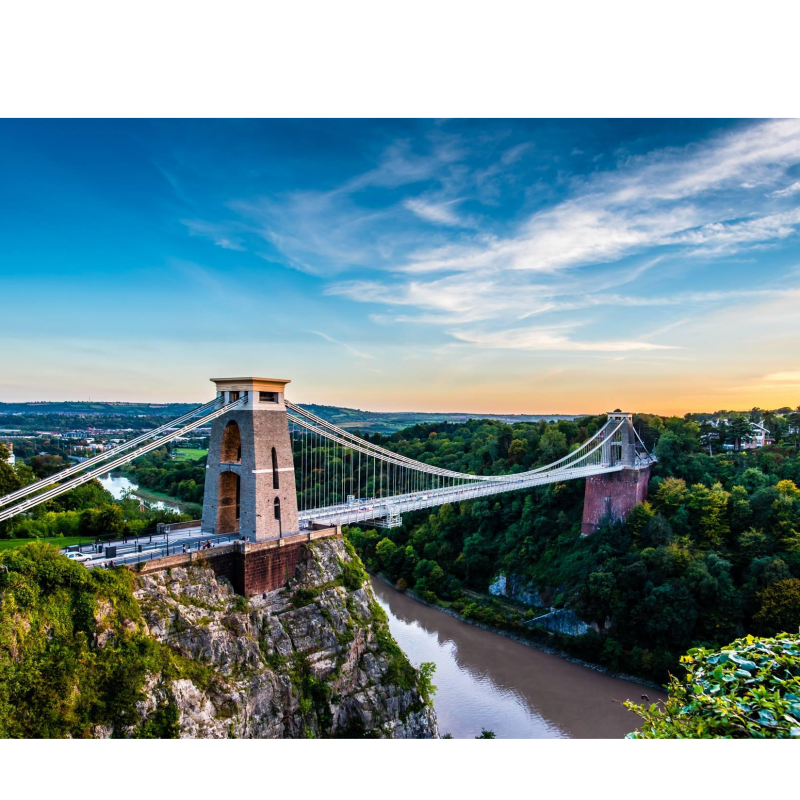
251,567
612,496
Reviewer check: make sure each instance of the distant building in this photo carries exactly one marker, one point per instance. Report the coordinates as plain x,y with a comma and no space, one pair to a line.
759,437
91,446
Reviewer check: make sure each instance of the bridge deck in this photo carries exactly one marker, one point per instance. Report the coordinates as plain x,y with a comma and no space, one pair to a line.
378,508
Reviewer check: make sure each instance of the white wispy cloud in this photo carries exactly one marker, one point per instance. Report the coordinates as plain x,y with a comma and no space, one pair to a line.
350,349
440,213
722,237
468,298
220,234
548,339
793,188
400,165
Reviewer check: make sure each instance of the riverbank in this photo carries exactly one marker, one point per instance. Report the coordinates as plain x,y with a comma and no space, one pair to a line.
120,482
537,644
151,496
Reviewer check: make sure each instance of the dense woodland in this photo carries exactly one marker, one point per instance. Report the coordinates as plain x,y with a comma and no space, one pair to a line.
713,554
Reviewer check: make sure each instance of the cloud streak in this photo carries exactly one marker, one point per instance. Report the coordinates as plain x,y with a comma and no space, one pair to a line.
220,235
350,349
549,339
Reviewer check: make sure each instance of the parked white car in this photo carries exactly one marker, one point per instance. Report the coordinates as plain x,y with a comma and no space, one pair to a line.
79,556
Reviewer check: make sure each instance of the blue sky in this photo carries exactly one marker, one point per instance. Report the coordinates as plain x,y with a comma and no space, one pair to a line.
529,266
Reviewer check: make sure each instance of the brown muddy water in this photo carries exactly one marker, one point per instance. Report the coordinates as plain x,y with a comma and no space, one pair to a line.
485,680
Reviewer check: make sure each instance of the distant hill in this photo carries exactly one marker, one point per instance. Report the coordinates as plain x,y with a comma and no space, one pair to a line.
89,408
13,414
390,421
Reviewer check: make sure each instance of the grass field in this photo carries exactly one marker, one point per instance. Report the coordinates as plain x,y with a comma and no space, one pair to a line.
60,541
189,454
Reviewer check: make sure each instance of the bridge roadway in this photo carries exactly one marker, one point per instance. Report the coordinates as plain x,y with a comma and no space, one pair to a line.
360,510
378,508
155,546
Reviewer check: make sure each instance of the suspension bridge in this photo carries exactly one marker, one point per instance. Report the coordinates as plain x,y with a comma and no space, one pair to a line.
275,470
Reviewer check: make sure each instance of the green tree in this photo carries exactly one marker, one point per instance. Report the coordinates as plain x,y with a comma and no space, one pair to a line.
424,683
739,508
656,533
710,513
552,445
753,479
517,451
9,480
739,429
639,516
779,608
671,496
384,550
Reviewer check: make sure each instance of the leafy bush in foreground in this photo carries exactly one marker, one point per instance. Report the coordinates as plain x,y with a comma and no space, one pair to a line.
748,690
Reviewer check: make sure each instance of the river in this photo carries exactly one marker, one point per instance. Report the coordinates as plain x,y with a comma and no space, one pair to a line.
485,680
119,485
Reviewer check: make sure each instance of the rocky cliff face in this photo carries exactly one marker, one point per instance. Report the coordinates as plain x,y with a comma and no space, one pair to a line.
314,659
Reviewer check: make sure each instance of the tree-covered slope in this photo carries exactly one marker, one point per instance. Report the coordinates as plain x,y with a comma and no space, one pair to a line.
713,555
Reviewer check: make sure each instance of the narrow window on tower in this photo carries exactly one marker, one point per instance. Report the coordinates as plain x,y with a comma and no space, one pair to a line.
276,484
238,497
277,505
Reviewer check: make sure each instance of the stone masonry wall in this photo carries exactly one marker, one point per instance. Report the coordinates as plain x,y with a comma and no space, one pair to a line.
252,568
613,495
260,431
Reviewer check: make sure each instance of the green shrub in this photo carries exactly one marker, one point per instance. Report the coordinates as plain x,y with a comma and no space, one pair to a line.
302,597
240,604
748,690
353,574
425,685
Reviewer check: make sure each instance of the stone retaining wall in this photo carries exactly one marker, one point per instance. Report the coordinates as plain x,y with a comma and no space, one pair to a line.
252,567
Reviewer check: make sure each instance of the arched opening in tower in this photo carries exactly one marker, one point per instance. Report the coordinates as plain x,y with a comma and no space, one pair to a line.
228,502
231,449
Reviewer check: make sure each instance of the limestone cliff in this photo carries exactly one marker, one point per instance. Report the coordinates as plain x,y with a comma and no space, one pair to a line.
312,659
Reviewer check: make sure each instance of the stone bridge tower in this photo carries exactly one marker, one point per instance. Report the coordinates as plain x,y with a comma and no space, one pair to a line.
614,494
250,487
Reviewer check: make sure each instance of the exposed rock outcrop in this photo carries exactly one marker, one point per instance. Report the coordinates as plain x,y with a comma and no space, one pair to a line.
518,588
561,620
313,659
557,620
